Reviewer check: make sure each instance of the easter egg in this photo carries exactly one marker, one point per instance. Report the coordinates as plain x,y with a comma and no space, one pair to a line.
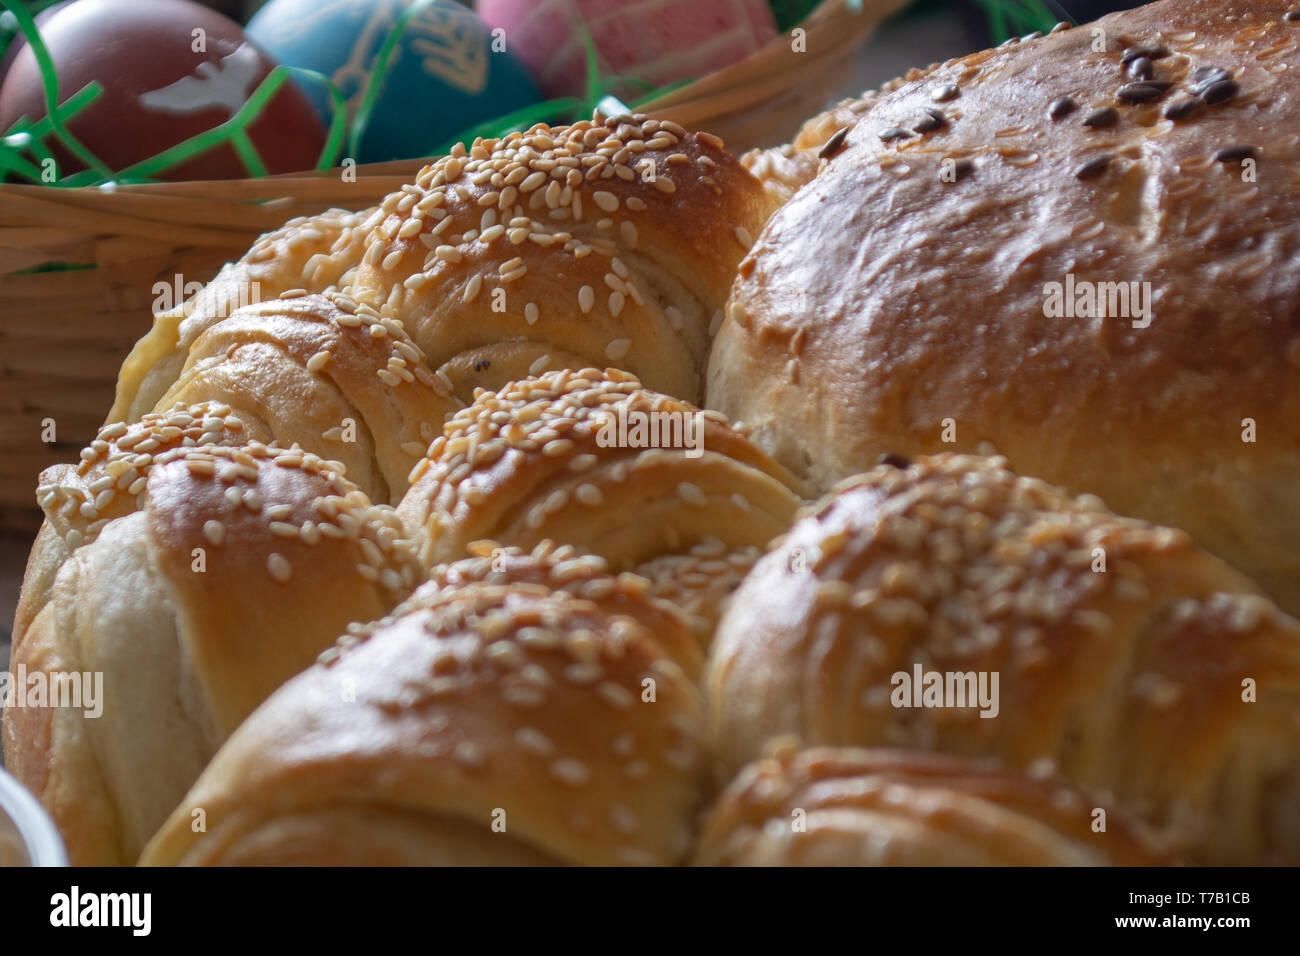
790,13
17,40
655,41
447,73
170,70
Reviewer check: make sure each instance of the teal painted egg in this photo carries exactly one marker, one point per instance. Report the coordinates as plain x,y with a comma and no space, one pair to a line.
447,73
790,13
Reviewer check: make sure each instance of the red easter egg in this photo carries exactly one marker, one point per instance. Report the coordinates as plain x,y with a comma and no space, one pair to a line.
658,41
20,39
170,69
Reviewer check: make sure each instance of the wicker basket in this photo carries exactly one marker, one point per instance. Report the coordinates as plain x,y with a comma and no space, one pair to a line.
63,335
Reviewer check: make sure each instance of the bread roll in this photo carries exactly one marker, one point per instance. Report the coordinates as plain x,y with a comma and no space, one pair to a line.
699,582
784,170
1165,679
832,806
237,569
544,458
601,242
326,373
586,576
885,309
313,253
487,723
109,482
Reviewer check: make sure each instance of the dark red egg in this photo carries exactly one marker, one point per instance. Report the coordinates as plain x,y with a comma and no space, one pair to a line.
170,69
20,39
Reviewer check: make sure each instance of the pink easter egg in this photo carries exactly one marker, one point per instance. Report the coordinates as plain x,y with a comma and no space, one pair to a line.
658,41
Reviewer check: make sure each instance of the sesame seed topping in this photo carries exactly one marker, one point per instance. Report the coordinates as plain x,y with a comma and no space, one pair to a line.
1233,154
692,494
534,741
588,494
1143,92
1220,92
470,755
1102,117
572,772
833,145
1062,107
472,289
1093,168
279,567
1184,108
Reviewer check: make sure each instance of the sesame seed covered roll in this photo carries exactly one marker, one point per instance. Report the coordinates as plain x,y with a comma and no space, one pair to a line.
839,806
312,253
240,565
109,482
570,457
326,373
609,242
587,576
484,724
700,580
950,605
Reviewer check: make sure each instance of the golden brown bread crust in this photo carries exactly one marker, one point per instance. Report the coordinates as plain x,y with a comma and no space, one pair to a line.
784,170
485,703
305,366
527,463
539,461
559,242
571,571
302,547
313,253
882,301
1130,681
240,565
834,806
700,581
109,482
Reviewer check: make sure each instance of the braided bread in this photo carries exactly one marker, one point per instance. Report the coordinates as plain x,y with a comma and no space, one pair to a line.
461,450
574,246
501,723
830,806
595,460
313,253
950,605
328,374
237,568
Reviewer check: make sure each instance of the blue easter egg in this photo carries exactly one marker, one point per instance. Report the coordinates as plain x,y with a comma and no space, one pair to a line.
444,76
